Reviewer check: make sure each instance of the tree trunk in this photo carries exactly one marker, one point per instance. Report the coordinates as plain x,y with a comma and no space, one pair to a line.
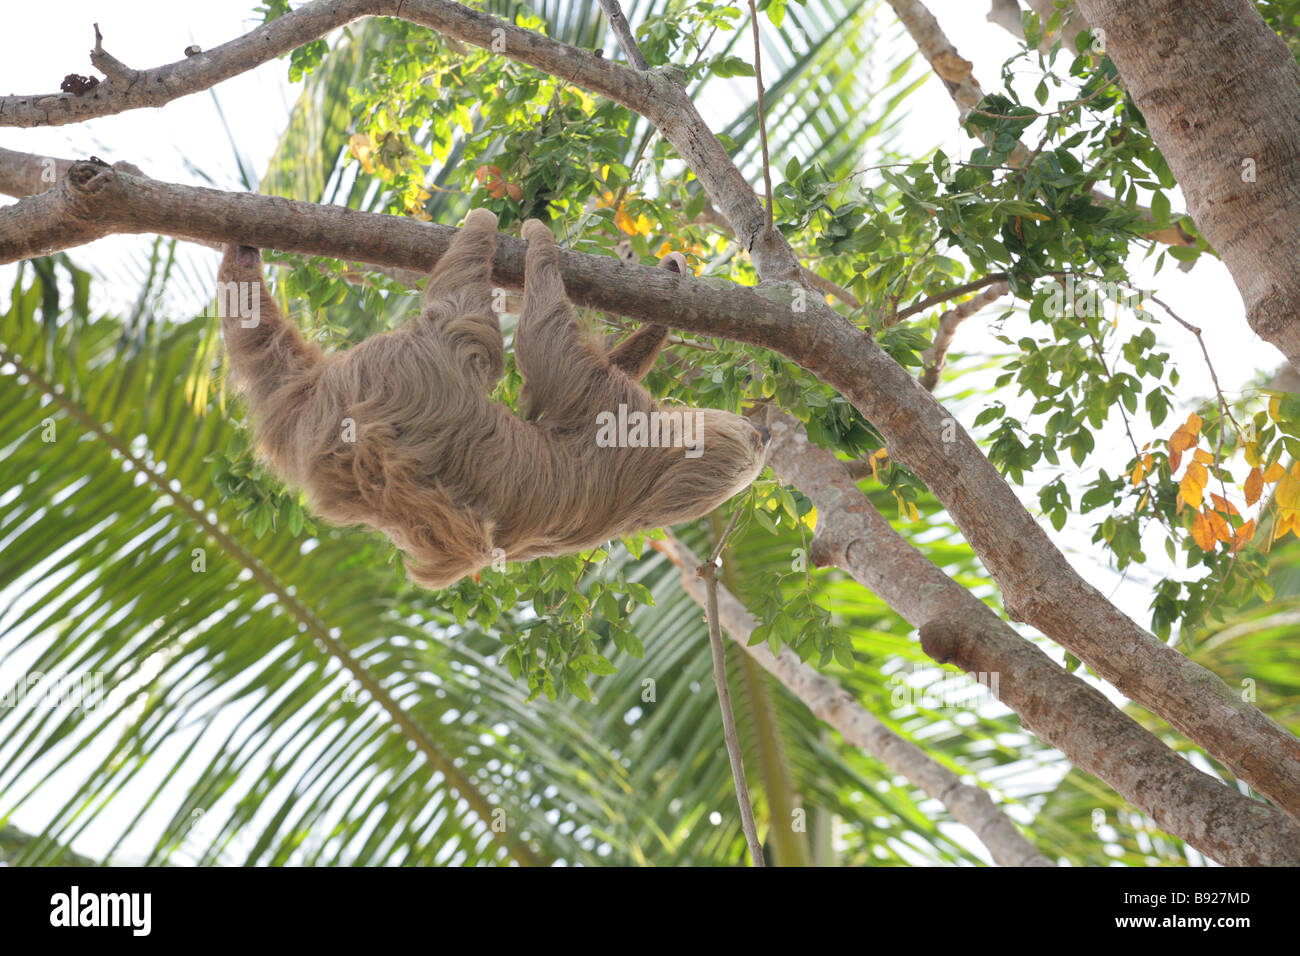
1221,95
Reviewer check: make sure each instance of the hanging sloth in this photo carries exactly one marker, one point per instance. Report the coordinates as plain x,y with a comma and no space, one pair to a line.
399,434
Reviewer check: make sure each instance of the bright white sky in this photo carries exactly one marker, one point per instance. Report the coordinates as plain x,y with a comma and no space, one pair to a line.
42,42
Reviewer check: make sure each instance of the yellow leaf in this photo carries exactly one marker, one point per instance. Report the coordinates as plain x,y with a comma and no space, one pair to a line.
1275,408
1193,423
1254,485
631,226
913,511
1273,473
1197,473
1175,459
1203,456
1224,505
1251,451
1243,535
1190,490
1137,474
1219,525
363,148
1288,493
1202,533
1182,439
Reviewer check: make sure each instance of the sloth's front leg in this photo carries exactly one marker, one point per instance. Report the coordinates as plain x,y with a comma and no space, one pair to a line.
462,280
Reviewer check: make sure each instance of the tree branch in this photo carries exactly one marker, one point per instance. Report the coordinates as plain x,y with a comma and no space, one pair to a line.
618,23
1072,717
936,356
993,278
1052,703
659,95
968,805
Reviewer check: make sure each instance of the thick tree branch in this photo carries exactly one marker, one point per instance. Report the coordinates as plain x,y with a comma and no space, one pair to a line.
1053,703
27,174
94,201
830,702
1220,92
1059,708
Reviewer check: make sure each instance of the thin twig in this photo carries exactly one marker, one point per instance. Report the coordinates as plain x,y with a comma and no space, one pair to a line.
623,31
709,572
952,293
762,116
936,356
722,541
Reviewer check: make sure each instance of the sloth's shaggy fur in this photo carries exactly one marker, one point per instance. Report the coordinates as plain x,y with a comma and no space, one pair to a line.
444,472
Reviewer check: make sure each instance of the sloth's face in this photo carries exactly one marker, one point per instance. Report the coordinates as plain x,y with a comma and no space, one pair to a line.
723,457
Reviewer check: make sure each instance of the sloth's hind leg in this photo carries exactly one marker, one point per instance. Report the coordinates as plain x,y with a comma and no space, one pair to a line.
462,280
565,374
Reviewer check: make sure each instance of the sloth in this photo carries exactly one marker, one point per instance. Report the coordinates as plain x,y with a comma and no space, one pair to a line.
399,433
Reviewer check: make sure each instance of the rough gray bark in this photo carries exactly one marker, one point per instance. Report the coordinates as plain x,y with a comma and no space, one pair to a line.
1055,705
1221,95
